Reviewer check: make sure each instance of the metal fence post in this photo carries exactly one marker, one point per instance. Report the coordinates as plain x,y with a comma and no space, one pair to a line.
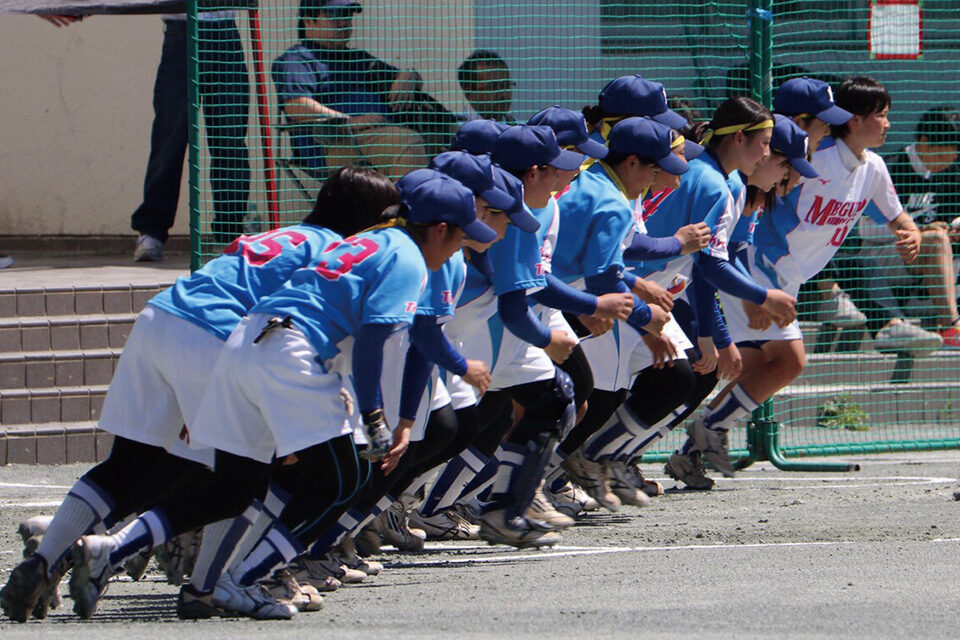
193,133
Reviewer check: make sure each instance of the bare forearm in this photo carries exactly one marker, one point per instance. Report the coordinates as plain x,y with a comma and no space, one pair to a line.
305,109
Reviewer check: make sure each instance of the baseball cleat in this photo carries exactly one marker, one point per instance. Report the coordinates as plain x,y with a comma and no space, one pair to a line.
197,605
592,476
253,601
394,528
25,586
284,587
570,499
712,443
518,532
91,573
347,552
306,570
688,469
624,486
446,525
542,510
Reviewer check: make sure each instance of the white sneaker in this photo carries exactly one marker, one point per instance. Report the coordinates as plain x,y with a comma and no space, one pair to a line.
712,444
570,500
688,469
905,337
347,552
518,533
285,589
149,249
542,510
622,485
446,525
5,261
394,528
840,311
253,601
91,573
592,476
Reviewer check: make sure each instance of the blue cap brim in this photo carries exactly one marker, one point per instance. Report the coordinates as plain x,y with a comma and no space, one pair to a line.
835,116
673,165
691,149
804,168
498,199
670,118
524,220
567,160
480,232
593,149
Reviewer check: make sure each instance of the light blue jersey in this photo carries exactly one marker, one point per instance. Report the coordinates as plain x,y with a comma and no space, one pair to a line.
596,220
218,295
444,288
375,277
549,219
707,195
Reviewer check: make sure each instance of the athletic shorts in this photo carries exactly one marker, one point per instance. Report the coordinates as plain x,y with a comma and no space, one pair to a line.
270,398
159,382
736,317
619,355
512,361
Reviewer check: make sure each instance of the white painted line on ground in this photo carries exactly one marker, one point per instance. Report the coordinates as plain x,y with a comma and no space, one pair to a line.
19,485
839,482
29,505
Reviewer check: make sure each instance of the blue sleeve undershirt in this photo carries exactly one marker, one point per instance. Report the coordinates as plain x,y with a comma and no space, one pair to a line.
416,373
725,276
518,318
368,364
428,337
559,295
644,247
610,282
710,322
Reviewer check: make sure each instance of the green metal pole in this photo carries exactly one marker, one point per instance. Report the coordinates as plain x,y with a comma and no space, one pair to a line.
193,129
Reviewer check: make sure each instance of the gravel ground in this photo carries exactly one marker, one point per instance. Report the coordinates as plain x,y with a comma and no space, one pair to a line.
869,554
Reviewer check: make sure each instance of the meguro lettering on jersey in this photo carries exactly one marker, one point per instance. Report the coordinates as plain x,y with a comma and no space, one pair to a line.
371,278
805,229
224,290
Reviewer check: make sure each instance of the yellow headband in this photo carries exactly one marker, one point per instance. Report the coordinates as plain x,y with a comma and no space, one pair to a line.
676,143
723,131
606,124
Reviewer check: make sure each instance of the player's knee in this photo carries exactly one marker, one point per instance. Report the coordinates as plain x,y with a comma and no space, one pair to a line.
935,241
442,429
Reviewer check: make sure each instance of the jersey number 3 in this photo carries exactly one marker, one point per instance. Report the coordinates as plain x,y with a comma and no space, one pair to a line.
349,252
260,249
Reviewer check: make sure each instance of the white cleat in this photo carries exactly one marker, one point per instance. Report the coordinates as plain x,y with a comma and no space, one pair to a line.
255,601
518,533
446,525
592,476
91,573
623,486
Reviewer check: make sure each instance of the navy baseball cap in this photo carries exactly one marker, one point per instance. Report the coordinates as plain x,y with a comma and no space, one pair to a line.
517,212
524,146
478,136
475,173
570,128
634,96
790,140
431,197
648,139
809,96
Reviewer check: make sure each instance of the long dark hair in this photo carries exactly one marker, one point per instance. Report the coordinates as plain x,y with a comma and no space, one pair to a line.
734,111
352,199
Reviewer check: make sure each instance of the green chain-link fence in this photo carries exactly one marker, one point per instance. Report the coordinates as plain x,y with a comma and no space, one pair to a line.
431,64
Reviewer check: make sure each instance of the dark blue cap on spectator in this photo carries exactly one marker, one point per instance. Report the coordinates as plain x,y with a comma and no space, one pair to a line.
523,146
517,212
810,97
647,139
475,173
351,6
478,136
634,96
790,140
570,128
431,197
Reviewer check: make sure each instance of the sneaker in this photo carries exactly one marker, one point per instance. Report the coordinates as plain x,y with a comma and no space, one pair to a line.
840,311
35,526
197,605
91,573
950,337
306,570
136,565
712,444
177,556
650,487
347,551
688,469
5,261
284,587
367,541
25,586
542,510
905,337
445,525
394,528
469,511
149,249
519,532
253,601
592,476
623,486
51,598
570,500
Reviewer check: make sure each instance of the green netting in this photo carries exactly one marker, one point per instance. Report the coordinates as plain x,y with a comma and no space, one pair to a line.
563,53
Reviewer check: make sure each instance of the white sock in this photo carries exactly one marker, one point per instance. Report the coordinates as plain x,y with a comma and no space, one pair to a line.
736,405
83,507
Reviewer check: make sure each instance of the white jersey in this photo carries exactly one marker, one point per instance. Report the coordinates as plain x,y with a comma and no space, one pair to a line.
804,230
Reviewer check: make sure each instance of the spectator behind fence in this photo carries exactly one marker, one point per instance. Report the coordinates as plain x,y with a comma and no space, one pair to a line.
224,96
387,114
485,79
927,178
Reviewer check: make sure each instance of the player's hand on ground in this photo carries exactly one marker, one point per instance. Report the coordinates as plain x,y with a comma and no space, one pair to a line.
908,243
757,318
652,293
662,348
61,20
596,326
477,375
708,356
401,442
617,306
729,362
561,344
658,318
780,305
693,237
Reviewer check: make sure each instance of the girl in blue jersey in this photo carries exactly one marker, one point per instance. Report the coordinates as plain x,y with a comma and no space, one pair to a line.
166,365
276,387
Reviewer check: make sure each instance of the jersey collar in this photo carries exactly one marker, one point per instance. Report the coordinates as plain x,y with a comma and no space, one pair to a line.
917,163
849,160
613,177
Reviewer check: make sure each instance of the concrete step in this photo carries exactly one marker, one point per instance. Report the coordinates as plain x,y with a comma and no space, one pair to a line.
54,443
56,333
69,301
872,368
37,369
51,404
